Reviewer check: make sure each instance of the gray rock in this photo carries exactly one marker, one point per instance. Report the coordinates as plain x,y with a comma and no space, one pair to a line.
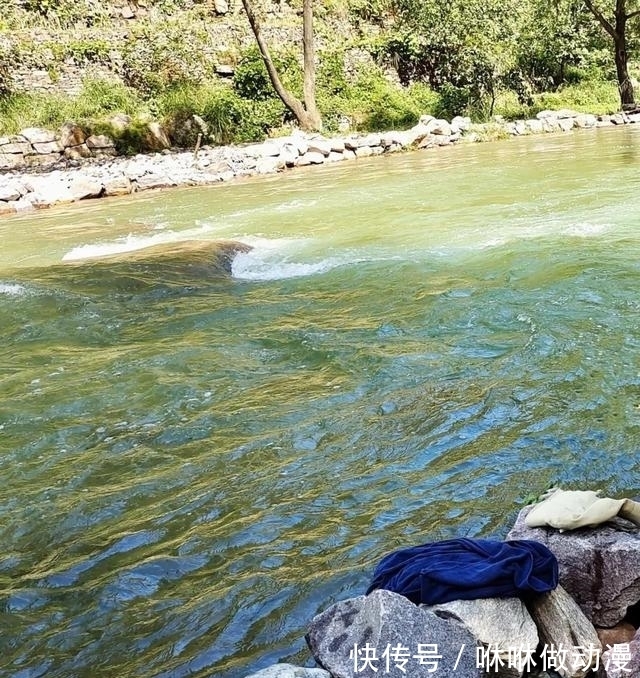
348,154
599,567
363,151
337,145
427,141
47,147
460,124
618,119
310,158
501,623
562,624
99,142
439,127
82,188
391,138
77,152
225,70
565,113
334,157
154,180
37,135
16,147
9,192
535,126
383,621
221,6
416,134
289,671
156,138
120,122
633,118
520,127
323,146
36,160
269,165
22,205
585,120
566,124
10,161
617,663
547,115
370,140
289,154
117,186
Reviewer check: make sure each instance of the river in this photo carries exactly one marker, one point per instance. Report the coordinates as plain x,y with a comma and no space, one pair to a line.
416,346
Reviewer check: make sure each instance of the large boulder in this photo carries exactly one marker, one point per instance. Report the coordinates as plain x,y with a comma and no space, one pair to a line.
599,567
564,628
399,638
623,660
502,625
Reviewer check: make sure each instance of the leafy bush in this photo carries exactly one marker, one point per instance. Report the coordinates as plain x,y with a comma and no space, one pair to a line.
229,117
251,80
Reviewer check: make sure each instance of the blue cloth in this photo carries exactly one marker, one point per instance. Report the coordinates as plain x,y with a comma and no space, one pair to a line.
465,569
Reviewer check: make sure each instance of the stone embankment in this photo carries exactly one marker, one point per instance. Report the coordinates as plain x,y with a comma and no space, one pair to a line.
39,168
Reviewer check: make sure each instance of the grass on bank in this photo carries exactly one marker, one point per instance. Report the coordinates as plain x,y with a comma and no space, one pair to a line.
370,103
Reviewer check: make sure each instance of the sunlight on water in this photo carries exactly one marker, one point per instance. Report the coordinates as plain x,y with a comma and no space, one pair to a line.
197,461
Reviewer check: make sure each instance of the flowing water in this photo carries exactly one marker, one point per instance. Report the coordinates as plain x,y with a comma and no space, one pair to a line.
193,466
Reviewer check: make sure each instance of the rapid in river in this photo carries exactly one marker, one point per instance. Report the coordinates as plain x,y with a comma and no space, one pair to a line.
195,463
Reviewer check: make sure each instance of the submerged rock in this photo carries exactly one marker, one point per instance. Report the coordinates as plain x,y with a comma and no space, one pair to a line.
386,634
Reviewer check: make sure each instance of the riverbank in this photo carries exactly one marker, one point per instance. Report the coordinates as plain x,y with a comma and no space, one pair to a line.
70,177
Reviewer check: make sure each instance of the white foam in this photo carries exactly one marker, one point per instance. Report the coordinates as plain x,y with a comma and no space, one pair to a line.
254,266
12,289
132,243
586,230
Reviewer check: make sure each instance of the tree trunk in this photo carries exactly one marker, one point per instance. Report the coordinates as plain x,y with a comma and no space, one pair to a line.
620,45
307,119
309,64
618,33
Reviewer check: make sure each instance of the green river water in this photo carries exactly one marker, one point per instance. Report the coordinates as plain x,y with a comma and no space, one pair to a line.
192,468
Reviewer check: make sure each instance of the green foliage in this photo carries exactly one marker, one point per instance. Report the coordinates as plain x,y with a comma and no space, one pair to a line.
68,13
157,59
373,103
81,51
129,140
251,80
586,97
229,117
97,99
7,60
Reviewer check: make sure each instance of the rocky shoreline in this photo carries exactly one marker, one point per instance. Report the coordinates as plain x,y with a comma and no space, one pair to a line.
40,168
587,625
